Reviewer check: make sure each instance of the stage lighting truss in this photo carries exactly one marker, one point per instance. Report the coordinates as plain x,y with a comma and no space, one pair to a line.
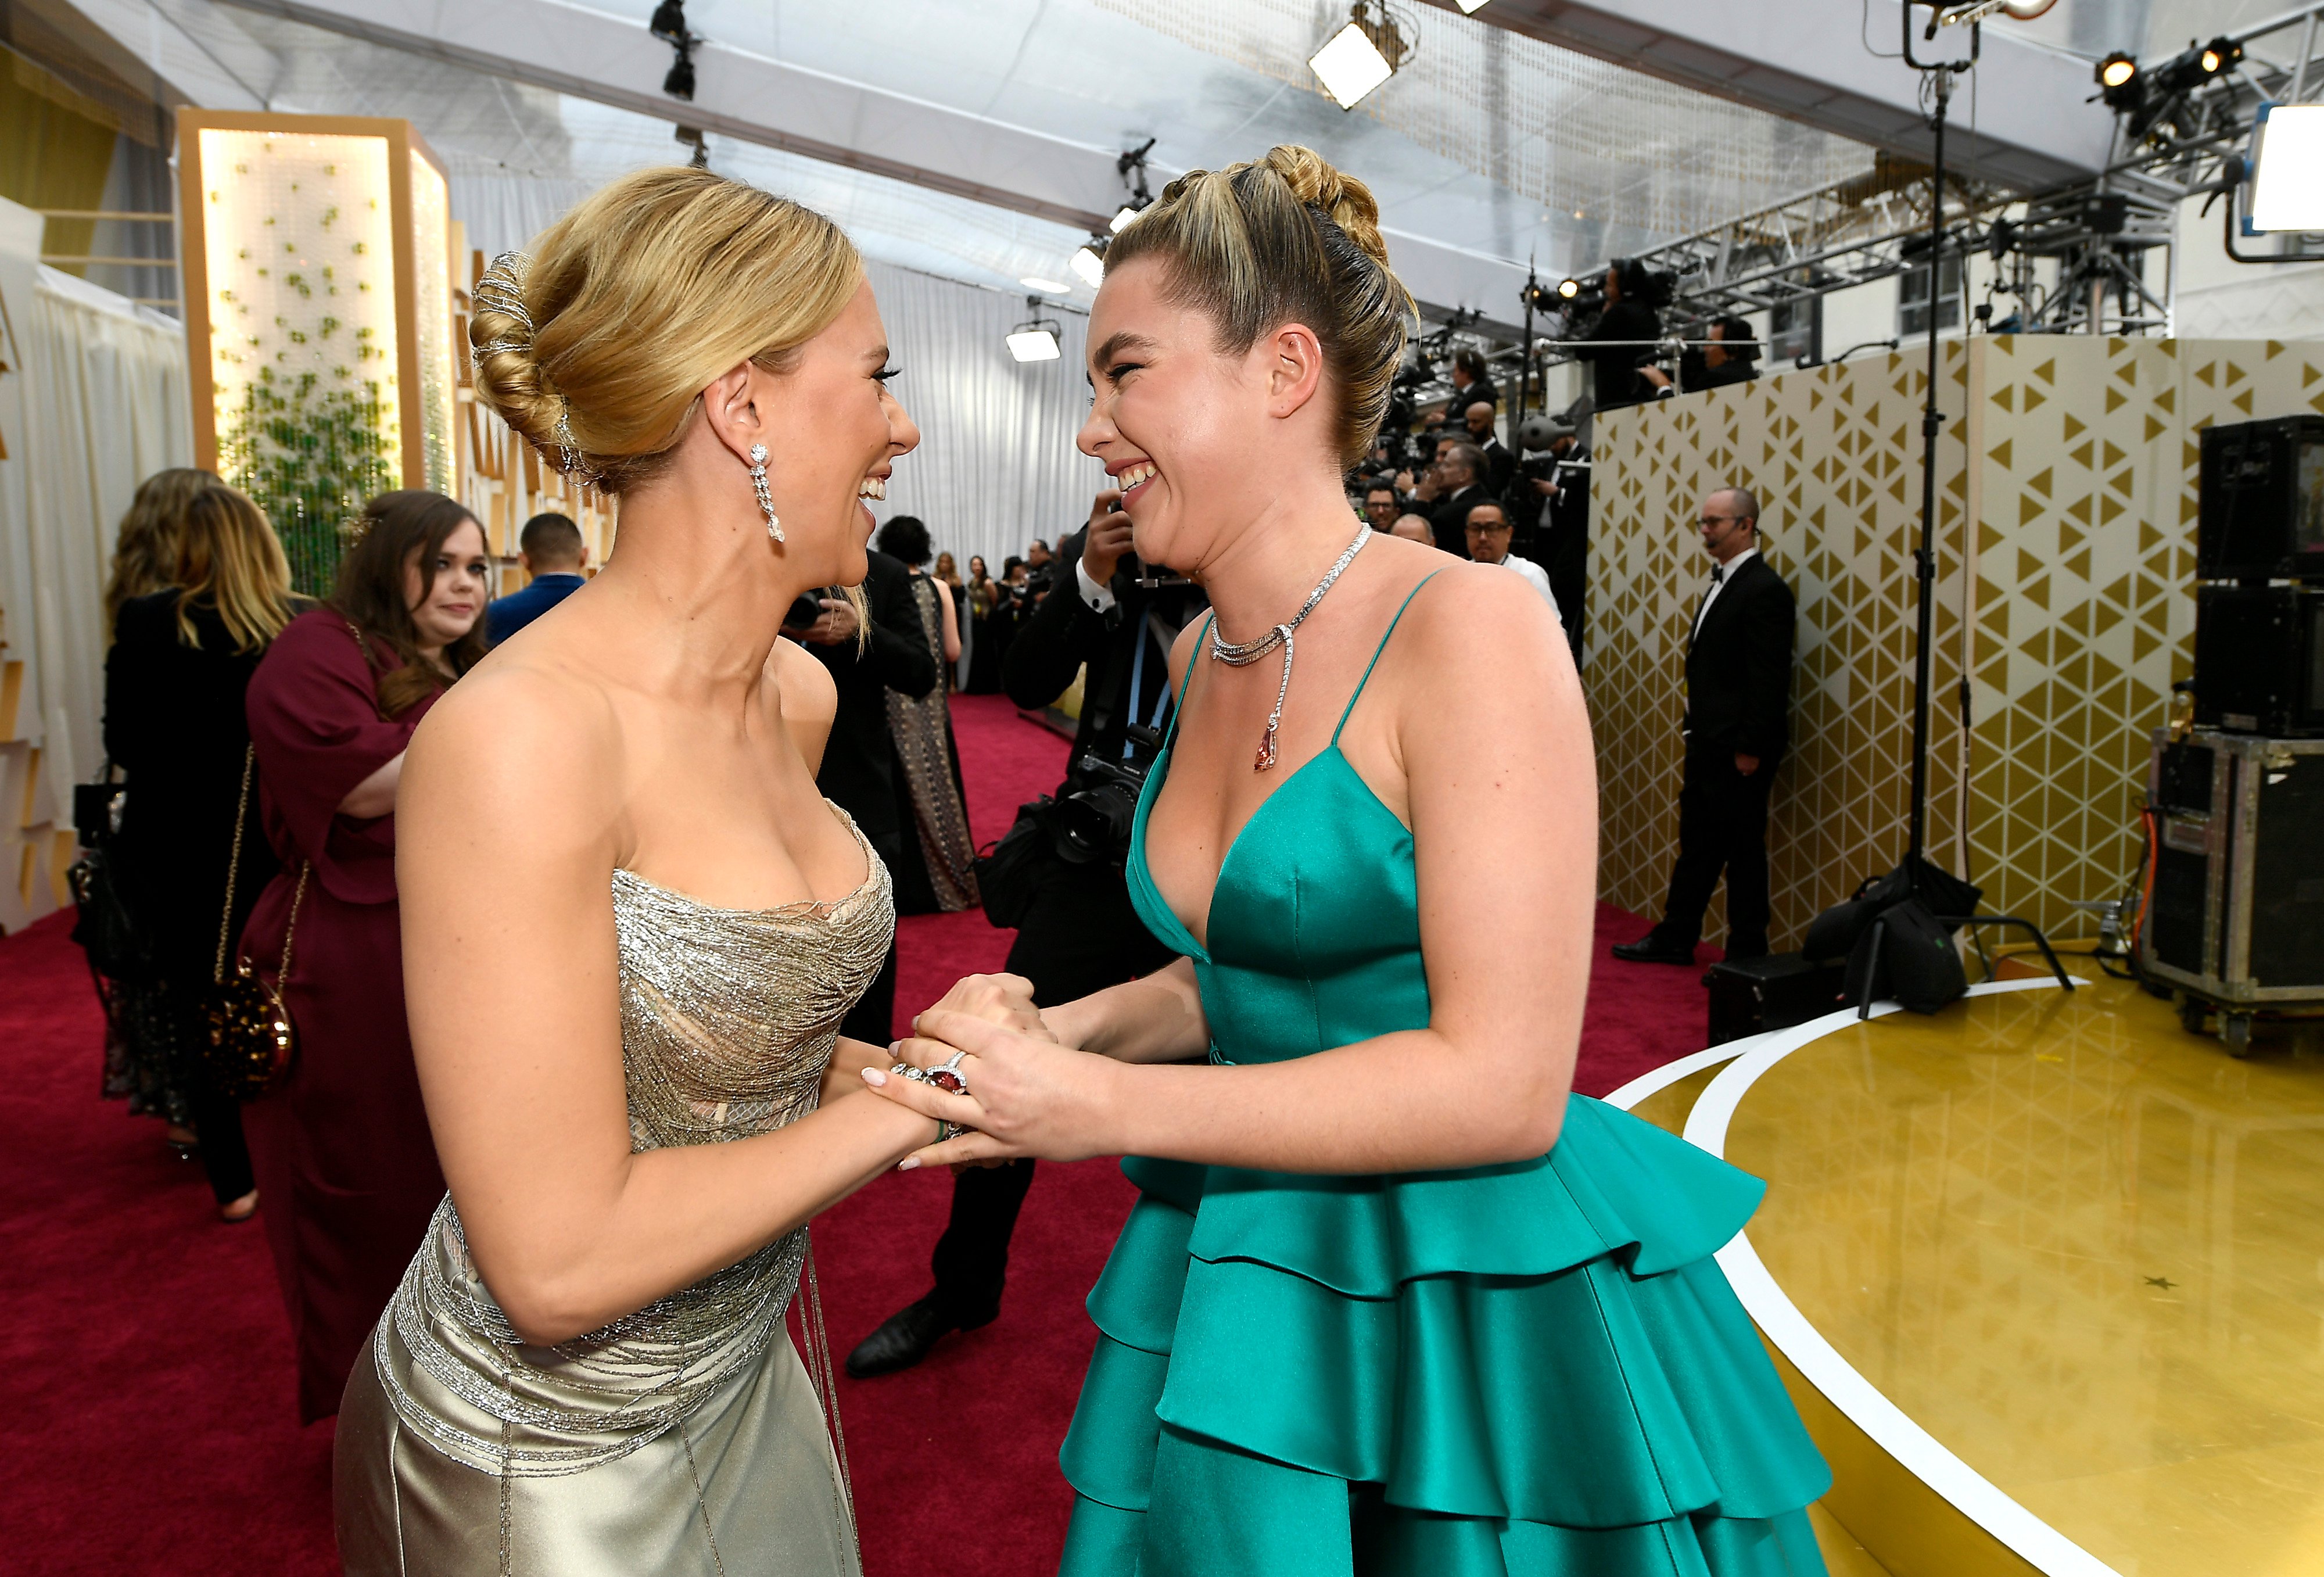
2185,128
1035,340
1369,48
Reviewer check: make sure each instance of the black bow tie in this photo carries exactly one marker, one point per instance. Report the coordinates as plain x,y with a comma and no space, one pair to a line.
1718,573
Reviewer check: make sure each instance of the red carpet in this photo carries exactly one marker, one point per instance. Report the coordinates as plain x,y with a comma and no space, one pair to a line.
152,1427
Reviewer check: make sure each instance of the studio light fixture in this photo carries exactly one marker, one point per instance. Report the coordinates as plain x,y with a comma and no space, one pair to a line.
2287,169
1034,341
669,26
2119,82
1088,263
1363,54
1470,7
1127,215
1049,287
1569,288
1131,167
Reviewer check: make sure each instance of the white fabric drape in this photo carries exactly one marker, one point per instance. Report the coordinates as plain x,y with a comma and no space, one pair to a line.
996,466
95,401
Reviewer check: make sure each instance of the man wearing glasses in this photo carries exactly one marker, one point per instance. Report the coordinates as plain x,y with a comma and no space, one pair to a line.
1738,693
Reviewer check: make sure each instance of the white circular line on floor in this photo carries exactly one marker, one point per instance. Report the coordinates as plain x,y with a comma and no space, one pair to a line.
1973,1495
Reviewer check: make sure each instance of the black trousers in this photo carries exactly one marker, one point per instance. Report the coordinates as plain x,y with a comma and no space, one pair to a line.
1079,935
1723,826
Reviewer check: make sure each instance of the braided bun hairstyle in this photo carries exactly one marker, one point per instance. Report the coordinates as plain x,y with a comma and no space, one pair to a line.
596,347
1285,239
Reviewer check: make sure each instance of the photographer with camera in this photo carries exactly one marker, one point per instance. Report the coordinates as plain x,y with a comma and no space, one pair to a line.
1630,316
1725,357
1057,875
1557,473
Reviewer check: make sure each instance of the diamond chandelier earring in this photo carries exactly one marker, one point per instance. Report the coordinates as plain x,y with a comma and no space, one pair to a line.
766,498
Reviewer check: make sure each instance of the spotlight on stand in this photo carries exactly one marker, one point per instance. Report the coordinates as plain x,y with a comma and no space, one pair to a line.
2287,169
1088,263
1034,341
669,26
1364,53
1568,288
2197,64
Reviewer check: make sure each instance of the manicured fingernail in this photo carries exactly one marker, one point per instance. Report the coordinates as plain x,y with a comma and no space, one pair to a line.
874,1077
908,1164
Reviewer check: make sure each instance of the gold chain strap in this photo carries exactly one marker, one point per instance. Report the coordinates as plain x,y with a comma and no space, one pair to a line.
234,863
290,929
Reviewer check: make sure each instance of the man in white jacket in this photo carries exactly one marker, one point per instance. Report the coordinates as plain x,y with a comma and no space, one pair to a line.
1489,543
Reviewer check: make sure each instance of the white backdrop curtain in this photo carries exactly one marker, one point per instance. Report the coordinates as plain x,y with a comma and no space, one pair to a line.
996,466
96,400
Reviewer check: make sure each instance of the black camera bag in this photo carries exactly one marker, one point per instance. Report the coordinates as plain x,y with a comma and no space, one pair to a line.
1010,872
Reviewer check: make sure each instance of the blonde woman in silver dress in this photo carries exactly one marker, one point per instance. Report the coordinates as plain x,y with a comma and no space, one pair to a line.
631,928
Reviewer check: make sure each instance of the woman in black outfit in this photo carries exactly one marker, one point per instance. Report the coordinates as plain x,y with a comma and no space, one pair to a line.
173,718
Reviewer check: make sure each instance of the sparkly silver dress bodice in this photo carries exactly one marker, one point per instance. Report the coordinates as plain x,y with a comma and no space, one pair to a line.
728,1022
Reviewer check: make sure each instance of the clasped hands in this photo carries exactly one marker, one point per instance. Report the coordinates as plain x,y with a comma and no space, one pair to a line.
1025,1093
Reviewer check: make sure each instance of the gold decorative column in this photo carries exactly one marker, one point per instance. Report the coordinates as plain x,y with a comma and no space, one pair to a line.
317,252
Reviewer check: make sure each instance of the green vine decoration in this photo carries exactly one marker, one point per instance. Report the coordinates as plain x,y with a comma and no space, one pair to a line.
309,456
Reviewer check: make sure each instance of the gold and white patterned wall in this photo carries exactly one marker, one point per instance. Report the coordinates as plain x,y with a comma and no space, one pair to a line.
1834,456
2083,483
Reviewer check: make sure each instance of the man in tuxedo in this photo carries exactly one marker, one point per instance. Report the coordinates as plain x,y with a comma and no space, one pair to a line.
1460,474
1500,466
1738,695
1078,933
858,760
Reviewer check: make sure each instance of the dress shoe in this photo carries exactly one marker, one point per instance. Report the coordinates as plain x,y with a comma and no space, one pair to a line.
906,1337
1652,949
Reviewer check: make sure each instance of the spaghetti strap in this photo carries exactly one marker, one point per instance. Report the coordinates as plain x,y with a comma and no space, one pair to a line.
1379,650
1178,706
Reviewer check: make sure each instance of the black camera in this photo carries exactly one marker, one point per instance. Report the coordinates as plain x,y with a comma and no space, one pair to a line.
805,610
1093,822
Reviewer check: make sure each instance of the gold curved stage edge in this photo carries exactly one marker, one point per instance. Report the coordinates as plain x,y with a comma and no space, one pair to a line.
2045,1273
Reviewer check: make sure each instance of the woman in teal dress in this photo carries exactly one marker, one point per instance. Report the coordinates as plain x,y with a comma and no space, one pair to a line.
1393,1299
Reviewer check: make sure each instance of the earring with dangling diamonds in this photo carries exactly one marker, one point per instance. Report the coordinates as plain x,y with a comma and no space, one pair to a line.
766,498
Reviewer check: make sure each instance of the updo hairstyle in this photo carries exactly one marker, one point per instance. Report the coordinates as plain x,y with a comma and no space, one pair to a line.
596,347
1285,239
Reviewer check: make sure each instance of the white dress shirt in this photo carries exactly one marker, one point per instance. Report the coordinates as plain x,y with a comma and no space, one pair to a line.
1536,578
1099,598
1724,573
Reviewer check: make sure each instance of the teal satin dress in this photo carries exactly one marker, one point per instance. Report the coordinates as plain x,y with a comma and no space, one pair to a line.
1525,1370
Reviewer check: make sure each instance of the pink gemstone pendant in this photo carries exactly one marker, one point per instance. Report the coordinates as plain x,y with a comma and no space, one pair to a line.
1265,751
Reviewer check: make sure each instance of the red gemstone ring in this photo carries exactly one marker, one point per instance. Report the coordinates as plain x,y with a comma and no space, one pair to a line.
948,1077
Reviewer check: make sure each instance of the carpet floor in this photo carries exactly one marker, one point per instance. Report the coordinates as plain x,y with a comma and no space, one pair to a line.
154,1427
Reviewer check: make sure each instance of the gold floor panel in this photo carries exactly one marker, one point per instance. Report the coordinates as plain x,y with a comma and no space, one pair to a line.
2082,1248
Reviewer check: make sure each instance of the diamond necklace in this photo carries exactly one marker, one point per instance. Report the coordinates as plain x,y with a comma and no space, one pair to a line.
1250,651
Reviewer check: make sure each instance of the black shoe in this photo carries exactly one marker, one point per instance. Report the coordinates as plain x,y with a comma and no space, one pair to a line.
906,1337
1652,949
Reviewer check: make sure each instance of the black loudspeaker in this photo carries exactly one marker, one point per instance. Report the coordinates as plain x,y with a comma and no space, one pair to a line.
2262,512
2259,659
2263,500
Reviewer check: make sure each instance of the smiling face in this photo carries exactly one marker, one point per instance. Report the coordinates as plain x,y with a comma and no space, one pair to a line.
833,432
446,594
1195,439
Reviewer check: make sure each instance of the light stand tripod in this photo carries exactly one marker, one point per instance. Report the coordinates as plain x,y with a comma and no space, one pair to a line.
1953,899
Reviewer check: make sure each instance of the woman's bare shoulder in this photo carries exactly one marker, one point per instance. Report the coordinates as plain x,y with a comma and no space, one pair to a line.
522,736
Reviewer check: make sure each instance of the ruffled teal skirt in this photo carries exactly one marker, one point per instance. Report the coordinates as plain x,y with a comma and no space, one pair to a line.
1530,1370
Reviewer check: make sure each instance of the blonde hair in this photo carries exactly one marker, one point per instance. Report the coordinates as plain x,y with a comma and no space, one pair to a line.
597,347
146,545
229,556
1285,239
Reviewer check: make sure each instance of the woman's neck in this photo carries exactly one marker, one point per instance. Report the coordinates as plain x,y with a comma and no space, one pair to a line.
1266,572
699,568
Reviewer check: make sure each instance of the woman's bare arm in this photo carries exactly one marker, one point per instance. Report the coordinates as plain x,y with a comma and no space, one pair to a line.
507,838
1502,788
1157,1018
376,795
951,623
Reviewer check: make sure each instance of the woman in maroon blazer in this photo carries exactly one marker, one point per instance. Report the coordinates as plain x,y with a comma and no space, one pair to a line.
342,1149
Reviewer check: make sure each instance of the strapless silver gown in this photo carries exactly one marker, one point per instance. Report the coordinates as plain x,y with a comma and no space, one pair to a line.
685,1438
